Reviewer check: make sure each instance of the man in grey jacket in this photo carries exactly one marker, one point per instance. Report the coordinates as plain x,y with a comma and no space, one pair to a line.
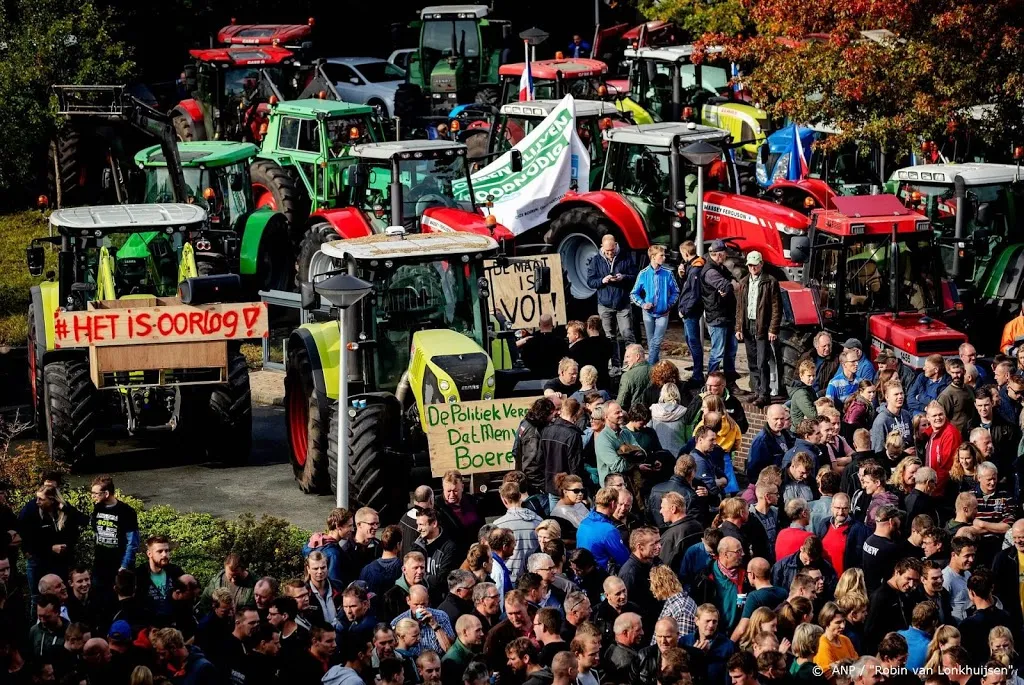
893,415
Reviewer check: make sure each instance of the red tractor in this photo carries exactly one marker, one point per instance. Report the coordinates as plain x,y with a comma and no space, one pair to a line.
229,85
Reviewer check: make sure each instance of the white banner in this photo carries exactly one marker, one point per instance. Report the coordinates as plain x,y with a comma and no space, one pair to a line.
553,157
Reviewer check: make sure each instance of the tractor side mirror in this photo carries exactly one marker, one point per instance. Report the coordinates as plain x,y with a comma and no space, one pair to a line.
542,280
484,287
799,249
983,215
359,175
36,258
237,183
517,161
309,298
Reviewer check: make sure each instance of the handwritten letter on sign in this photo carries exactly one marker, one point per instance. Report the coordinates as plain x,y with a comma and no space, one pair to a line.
181,323
512,294
474,437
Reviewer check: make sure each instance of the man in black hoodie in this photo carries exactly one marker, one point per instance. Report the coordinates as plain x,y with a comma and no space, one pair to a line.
890,606
561,447
439,548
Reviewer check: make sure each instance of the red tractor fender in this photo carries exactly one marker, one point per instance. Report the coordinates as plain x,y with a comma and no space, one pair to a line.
793,194
449,220
349,222
800,305
616,208
753,224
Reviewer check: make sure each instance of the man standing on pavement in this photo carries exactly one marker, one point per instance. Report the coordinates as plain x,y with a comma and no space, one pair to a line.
691,308
958,399
758,315
116,528
655,292
612,276
718,290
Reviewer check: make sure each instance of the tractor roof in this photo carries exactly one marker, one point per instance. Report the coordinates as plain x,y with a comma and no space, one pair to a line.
408,149
973,174
264,34
671,53
244,56
665,133
416,246
542,108
454,12
97,221
212,153
314,107
549,68
868,215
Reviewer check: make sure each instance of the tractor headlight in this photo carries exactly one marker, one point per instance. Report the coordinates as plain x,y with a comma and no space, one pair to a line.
782,167
444,385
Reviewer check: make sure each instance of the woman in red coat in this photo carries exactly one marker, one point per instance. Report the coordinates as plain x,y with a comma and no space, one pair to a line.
943,441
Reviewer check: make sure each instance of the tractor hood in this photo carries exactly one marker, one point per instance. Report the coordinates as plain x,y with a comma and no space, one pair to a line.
449,220
754,224
912,338
448,367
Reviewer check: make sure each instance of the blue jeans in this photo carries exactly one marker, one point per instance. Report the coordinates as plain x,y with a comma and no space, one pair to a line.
655,327
691,329
723,348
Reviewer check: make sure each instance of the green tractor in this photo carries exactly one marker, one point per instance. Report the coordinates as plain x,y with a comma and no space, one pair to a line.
240,238
460,50
120,338
420,337
977,211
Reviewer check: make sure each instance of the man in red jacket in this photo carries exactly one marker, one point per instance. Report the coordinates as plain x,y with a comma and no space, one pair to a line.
943,441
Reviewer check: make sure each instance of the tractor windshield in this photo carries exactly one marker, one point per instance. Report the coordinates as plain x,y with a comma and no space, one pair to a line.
427,183
345,131
207,188
446,38
412,297
853,169
868,286
126,264
241,80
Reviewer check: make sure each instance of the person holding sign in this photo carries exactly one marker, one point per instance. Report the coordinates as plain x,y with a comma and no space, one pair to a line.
655,292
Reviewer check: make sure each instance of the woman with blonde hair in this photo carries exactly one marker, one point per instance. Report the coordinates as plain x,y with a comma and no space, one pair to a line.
478,561
893,450
49,530
1000,648
852,580
727,431
667,419
548,530
964,471
854,605
792,613
678,605
762,620
902,478
588,383
805,647
833,645
570,506
945,638
141,675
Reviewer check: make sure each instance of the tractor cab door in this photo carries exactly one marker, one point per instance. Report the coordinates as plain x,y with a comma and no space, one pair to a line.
642,174
302,136
822,273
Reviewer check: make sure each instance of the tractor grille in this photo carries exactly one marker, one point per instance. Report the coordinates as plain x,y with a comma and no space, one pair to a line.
112,379
467,370
937,346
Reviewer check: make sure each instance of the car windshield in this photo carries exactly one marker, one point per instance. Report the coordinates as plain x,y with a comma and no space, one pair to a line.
197,181
868,282
380,72
442,35
437,294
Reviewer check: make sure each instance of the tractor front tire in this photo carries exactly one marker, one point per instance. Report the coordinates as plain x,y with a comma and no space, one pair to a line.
72,412
795,343
318,234
274,187
375,480
229,439
307,424
65,170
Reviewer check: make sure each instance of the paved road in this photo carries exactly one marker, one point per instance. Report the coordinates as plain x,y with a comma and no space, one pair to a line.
264,486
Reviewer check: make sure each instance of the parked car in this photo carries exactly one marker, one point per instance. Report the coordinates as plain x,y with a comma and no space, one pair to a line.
400,58
366,81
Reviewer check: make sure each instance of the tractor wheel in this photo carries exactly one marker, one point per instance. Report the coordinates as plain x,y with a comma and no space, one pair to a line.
274,263
576,236
229,438
183,129
487,96
476,143
375,479
307,422
72,412
317,235
35,379
794,344
736,266
274,187
66,170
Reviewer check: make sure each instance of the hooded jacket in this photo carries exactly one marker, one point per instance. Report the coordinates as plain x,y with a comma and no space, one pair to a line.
197,670
695,412
667,421
691,304
801,401
633,384
342,675
442,558
885,422
47,644
598,534
785,570
615,294
719,310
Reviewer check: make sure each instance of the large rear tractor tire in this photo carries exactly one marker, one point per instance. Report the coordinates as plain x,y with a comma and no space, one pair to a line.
488,95
66,170
274,187
307,420
229,439
72,412
318,234
795,344
376,478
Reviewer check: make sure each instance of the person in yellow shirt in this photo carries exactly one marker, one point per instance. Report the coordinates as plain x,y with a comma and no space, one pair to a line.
728,433
833,646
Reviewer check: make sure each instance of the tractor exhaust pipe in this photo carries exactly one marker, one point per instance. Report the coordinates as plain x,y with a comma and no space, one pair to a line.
960,192
396,195
894,272
677,93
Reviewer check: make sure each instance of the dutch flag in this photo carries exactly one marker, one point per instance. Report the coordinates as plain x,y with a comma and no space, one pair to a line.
526,80
801,159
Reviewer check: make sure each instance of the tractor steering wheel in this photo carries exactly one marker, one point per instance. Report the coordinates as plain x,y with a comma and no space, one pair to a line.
432,200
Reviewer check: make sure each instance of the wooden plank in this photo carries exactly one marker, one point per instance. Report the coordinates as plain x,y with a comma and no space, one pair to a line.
134,325
512,293
474,437
157,356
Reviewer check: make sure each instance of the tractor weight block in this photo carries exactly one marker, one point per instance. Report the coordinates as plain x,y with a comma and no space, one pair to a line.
208,289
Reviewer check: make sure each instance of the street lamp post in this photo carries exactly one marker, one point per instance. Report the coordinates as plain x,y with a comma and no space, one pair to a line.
701,155
342,291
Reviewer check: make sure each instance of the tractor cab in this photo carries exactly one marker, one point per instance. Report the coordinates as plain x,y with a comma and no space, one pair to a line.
553,79
665,84
119,252
872,270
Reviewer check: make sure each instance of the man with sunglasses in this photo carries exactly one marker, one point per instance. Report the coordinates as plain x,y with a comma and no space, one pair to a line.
364,548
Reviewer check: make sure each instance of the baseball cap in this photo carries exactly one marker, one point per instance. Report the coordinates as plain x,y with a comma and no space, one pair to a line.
887,512
884,356
754,258
853,344
120,631
717,246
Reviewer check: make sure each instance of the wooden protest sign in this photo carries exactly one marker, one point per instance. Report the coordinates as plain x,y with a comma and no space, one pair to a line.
512,293
474,437
124,324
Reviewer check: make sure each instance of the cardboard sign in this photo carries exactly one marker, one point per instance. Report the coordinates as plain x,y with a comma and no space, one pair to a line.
474,437
512,294
180,323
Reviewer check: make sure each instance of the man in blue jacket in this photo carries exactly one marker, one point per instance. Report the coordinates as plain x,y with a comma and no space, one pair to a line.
655,292
612,276
929,385
598,534
771,444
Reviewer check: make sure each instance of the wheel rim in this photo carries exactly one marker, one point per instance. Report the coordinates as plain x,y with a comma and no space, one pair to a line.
298,425
319,263
263,197
576,251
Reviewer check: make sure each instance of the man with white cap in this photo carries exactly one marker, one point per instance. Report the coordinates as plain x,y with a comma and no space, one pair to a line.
758,315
